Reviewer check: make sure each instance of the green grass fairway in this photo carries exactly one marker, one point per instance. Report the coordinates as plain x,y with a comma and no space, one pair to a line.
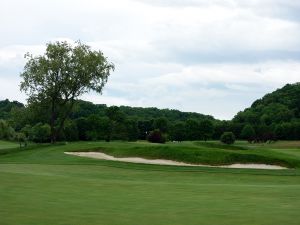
43,186
7,145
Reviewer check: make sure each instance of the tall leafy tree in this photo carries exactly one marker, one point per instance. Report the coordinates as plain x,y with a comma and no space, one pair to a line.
62,74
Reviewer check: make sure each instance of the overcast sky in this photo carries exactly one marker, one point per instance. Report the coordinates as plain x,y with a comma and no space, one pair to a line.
213,57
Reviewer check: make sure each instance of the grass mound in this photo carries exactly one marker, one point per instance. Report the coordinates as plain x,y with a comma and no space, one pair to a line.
196,153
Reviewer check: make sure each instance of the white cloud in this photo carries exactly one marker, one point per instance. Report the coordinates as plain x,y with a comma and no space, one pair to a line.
10,89
206,88
194,55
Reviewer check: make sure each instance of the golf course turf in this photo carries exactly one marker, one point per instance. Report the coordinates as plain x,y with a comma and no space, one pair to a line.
41,185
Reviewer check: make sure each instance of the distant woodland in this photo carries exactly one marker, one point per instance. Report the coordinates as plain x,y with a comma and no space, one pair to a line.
276,116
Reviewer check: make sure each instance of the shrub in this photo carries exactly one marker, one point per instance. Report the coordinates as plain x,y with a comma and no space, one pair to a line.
156,136
228,138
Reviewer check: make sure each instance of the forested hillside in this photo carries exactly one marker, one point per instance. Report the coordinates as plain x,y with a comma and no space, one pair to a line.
275,116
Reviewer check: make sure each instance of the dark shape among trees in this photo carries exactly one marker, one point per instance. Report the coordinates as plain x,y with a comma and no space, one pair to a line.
156,136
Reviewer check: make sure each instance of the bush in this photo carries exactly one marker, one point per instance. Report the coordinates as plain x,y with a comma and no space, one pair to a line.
228,138
156,136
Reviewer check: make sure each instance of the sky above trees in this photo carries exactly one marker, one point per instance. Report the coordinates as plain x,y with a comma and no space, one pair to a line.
213,57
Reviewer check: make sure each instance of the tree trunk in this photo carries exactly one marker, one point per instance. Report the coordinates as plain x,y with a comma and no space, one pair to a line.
62,121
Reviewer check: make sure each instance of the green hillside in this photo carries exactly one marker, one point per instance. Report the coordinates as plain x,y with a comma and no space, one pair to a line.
275,115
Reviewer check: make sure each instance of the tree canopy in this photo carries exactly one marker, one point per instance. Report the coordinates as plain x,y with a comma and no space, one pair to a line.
62,74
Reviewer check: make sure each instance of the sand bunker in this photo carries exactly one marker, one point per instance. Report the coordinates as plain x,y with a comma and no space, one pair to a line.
100,155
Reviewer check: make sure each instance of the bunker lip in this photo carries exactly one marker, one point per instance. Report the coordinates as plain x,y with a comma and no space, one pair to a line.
100,155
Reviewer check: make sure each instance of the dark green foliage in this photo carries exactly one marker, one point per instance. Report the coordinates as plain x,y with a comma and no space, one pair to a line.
26,130
178,132
156,136
275,116
161,124
248,133
132,130
219,128
71,131
228,138
97,127
144,127
83,128
116,118
192,130
85,109
6,106
40,133
206,129
154,113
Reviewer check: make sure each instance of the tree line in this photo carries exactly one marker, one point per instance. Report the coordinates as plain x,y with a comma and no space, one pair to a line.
90,121
274,117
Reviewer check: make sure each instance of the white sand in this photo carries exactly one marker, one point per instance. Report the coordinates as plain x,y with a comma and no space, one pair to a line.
100,155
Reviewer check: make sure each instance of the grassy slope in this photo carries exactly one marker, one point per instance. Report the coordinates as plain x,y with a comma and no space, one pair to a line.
204,153
44,186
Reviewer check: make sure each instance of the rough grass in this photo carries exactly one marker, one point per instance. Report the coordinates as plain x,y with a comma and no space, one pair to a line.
42,185
217,145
